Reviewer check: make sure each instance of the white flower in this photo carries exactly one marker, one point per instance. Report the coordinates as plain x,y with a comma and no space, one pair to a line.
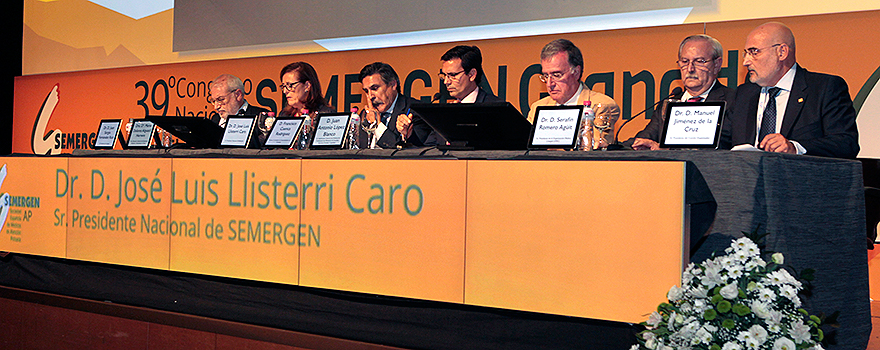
790,293
799,331
727,261
751,343
651,343
773,322
775,316
729,292
783,344
712,277
670,323
691,326
755,263
778,258
758,333
675,294
699,292
774,327
735,271
746,245
766,295
762,310
686,307
731,346
654,319
780,277
702,336
741,255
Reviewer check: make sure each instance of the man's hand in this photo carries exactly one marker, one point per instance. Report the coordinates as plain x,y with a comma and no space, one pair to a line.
404,124
641,144
777,143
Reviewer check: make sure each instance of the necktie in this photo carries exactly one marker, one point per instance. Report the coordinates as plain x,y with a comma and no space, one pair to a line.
768,122
695,99
385,117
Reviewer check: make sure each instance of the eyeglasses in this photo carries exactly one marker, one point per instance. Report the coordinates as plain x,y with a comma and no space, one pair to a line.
699,62
451,76
221,100
546,77
754,51
287,87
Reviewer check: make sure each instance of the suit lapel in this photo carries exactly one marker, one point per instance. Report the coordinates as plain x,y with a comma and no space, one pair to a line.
752,113
716,94
481,96
584,96
795,102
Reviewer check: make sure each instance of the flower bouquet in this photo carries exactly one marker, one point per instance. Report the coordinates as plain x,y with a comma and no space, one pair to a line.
736,301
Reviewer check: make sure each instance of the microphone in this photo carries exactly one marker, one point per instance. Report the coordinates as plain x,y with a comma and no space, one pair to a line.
616,145
435,98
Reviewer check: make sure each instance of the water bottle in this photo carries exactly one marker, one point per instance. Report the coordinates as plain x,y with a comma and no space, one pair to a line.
306,134
585,141
268,120
354,129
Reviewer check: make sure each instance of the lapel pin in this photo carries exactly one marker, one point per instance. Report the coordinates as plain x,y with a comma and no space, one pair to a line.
801,100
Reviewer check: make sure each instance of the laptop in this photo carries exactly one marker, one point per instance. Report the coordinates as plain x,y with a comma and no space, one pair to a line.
692,125
476,126
196,132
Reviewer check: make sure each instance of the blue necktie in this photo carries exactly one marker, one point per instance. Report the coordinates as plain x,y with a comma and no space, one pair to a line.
385,117
768,122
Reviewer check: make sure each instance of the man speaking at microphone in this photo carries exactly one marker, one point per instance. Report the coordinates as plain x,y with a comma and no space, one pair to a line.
699,59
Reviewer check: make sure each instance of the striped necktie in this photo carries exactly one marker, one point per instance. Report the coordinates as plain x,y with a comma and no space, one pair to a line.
768,122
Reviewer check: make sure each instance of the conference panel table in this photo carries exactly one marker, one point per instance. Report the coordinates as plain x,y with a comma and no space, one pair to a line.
812,208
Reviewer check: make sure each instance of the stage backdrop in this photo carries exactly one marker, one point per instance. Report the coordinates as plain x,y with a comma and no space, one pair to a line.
57,113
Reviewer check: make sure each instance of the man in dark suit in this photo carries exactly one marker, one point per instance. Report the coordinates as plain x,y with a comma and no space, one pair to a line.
227,97
699,58
461,72
785,108
385,102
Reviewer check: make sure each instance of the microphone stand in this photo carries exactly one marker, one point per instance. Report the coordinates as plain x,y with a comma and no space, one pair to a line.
616,146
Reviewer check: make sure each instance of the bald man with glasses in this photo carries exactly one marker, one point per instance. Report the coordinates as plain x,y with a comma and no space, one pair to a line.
786,108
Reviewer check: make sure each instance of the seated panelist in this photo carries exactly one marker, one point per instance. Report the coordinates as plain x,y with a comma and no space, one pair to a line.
301,89
385,104
562,67
461,71
699,59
